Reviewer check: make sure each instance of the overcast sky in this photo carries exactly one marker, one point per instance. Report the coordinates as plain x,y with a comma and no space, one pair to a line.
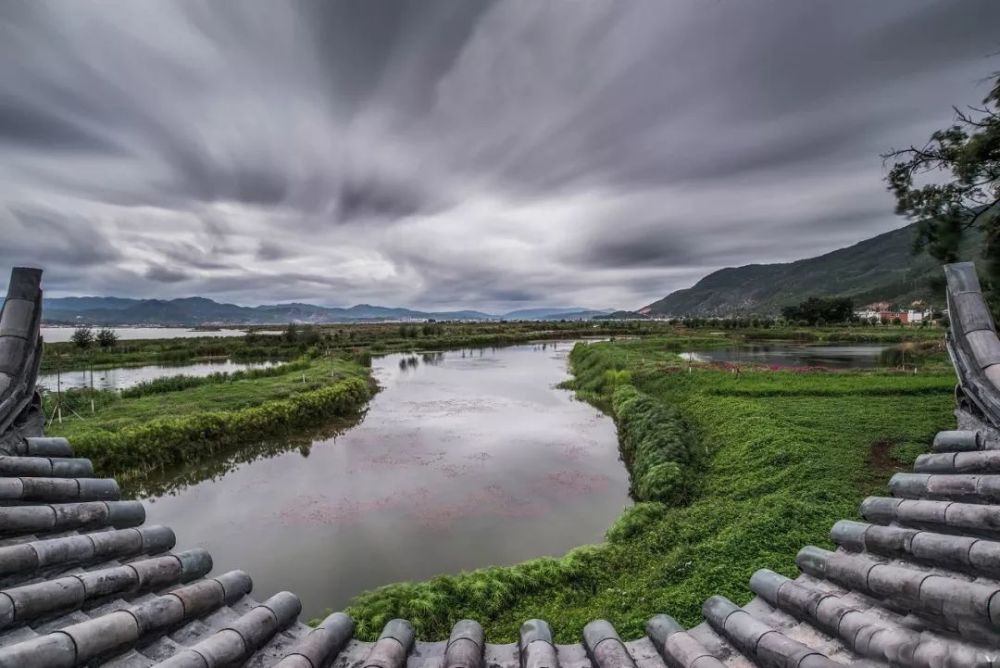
457,153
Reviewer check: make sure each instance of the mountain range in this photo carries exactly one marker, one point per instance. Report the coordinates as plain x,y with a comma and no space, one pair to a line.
882,268
200,311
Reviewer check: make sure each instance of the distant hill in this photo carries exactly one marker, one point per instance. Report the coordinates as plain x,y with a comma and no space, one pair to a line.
882,268
195,311
622,315
560,313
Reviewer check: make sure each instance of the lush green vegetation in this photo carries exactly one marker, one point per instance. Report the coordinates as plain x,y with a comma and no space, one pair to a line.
182,382
385,338
783,455
820,310
163,425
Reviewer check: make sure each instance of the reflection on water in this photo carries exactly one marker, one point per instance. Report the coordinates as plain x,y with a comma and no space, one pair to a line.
465,459
175,480
124,377
854,356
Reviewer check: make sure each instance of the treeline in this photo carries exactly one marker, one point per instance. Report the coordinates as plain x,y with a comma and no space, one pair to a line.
820,311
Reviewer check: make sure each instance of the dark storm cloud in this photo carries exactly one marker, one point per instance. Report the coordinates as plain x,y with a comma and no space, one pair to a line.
613,250
162,274
181,253
394,49
446,153
269,250
369,198
36,128
36,236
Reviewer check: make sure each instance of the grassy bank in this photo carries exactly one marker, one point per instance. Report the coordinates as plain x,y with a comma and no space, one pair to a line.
163,426
66,356
772,460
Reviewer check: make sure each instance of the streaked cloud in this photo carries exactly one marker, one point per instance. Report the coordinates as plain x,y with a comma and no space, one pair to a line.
487,155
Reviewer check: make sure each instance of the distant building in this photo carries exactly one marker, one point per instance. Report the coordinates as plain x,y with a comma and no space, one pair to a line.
888,315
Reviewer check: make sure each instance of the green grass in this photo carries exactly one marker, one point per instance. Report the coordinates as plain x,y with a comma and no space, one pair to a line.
66,356
786,455
167,428
183,382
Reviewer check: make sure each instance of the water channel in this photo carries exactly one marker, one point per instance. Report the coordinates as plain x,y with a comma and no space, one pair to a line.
53,334
121,378
465,459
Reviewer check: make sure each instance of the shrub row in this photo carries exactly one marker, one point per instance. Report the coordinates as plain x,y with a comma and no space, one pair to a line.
171,441
656,445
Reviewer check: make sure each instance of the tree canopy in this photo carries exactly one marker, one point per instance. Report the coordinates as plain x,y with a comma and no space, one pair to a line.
819,310
951,184
107,338
82,337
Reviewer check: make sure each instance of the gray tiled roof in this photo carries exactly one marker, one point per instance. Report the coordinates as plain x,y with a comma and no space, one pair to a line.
84,582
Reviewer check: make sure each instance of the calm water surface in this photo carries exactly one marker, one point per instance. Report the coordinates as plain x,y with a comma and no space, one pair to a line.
63,334
125,377
853,356
465,459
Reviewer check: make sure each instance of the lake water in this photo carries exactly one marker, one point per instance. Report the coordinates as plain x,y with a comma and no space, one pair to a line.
63,334
124,377
853,356
465,459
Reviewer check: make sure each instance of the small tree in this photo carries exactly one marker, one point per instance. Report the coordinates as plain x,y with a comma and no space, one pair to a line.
947,206
107,338
309,335
83,337
291,334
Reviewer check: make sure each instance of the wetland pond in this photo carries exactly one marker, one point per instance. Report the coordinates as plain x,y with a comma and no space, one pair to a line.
785,354
465,459
58,334
122,378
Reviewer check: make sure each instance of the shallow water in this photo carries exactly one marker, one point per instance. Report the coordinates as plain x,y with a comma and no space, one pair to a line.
465,459
63,334
852,356
124,377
